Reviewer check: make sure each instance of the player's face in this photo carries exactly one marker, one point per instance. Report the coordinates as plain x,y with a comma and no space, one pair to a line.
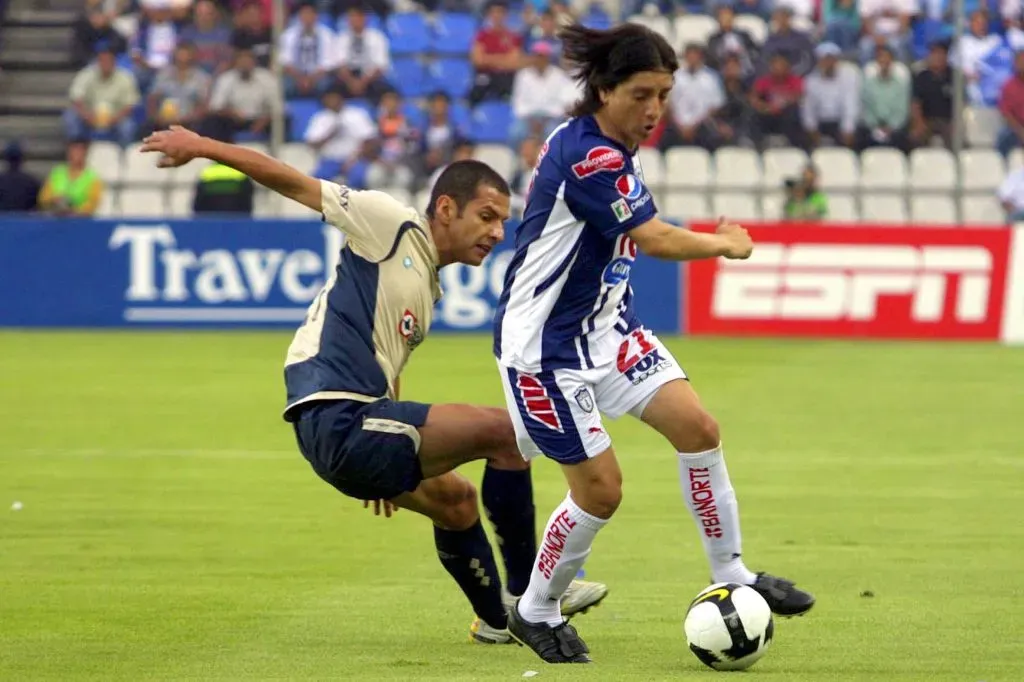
480,227
636,105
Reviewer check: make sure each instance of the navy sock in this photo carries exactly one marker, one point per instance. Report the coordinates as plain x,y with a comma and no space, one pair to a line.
467,556
507,498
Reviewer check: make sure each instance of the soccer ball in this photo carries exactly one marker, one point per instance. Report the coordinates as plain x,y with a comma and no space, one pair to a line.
728,626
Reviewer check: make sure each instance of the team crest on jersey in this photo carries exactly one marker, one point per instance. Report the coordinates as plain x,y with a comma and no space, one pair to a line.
537,402
584,399
409,328
629,187
599,160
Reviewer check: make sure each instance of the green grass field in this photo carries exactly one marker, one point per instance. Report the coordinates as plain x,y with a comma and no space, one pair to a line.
170,529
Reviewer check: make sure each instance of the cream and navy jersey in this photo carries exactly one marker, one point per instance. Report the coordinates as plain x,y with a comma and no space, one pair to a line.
567,285
375,309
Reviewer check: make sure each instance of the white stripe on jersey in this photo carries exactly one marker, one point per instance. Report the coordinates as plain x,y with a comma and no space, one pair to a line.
522,329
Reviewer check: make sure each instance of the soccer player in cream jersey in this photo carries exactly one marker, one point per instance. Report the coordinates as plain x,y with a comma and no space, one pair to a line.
570,346
342,371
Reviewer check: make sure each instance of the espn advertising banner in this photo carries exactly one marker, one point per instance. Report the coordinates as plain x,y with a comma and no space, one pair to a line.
878,281
230,273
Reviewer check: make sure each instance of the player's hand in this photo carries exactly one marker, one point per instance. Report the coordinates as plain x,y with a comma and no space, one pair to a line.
177,145
388,508
737,243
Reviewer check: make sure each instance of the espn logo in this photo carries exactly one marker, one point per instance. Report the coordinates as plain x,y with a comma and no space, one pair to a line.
846,282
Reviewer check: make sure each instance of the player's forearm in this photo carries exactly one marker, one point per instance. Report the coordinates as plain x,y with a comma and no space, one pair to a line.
269,172
674,243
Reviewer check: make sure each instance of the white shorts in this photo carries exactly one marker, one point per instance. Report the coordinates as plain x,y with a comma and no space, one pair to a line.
557,413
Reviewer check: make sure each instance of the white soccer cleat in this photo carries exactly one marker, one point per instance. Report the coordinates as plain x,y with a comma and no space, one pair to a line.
483,633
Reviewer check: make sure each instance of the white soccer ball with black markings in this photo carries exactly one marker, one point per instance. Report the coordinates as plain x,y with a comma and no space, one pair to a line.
728,626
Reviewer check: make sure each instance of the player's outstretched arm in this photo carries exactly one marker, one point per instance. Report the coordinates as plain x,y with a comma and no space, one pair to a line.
179,146
659,239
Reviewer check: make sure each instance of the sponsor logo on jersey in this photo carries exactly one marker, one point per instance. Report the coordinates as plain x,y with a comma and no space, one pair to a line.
584,399
554,543
599,160
409,328
537,402
703,500
621,210
617,271
642,361
629,187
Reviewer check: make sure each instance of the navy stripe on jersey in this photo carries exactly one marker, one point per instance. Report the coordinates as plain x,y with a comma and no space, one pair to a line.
557,272
547,416
405,227
346,360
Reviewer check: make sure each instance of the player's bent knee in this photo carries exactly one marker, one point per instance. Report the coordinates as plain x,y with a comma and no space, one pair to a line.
705,432
456,505
597,489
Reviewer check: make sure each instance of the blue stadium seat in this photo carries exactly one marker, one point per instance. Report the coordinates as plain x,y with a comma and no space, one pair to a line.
460,116
597,19
452,76
408,33
410,77
927,31
453,33
414,115
372,21
299,112
490,123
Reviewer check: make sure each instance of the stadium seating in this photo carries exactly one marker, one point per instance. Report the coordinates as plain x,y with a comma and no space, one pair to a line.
453,33
452,76
409,33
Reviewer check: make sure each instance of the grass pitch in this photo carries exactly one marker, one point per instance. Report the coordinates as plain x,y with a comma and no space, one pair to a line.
170,529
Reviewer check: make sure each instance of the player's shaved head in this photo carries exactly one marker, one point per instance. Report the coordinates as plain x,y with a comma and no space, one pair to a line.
603,60
461,180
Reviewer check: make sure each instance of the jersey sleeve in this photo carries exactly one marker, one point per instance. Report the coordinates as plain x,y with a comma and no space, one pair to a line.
370,220
600,190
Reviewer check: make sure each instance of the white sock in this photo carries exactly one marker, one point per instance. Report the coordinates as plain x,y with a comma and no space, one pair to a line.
709,496
564,547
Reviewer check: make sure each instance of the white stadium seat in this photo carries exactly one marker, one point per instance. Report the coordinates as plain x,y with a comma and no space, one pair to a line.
736,206
838,168
883,168
883,208
266,204
143,202
737,168
932,209
105,159
421,200
657,23
977,210
497,156
179,202
842,208
141,169
108,207
983,169
781,164
752,24
685,206
982,124
652,166
693,28
932,169
687,167
1016,160
300,156
773,205
293,209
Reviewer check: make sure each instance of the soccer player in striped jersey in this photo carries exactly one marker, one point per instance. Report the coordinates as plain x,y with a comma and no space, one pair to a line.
342,371
570,346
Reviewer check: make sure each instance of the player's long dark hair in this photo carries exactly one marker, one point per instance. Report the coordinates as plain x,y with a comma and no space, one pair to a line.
601,60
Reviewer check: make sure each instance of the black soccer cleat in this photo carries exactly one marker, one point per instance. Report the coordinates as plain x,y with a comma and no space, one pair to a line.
559,644
782,595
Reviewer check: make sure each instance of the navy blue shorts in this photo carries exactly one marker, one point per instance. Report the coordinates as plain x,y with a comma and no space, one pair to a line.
367,451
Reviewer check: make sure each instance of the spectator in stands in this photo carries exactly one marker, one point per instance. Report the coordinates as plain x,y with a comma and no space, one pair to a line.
694,102
842,23
804,201
210,36
776,99
244,99
308,54
154,42
831,104
90,31
729,40
541,95
180,93
931,109
795,46
886,22
1011,106
545,31
972,49
1011,195
72,188
438,138
221,189
392,147
760,8
341,135
102,99
363,58
251,33
736,116
19,191
496,56
463,151
885,102
529,150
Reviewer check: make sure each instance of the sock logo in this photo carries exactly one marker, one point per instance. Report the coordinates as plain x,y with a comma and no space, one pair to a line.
703,500
554,543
